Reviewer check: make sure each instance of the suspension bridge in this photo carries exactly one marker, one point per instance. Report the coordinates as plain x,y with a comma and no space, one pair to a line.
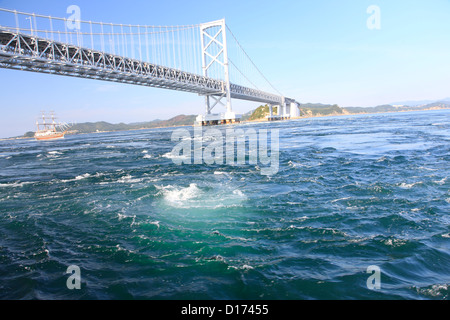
205,59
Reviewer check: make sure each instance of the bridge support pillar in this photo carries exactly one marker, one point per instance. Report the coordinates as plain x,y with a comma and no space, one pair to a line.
213,39
294,112
284,111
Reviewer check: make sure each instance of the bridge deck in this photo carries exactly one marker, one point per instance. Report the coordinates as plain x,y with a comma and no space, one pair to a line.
30,53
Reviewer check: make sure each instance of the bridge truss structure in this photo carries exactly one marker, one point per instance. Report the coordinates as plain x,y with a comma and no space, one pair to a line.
142,55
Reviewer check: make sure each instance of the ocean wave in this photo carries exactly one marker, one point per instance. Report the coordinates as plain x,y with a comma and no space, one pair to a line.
244,267
340,199
129,179
435,291
212,197
169,155
293,164
393,242
15,184
215,232
83,176
77,178
173,194
125,217
440,182
404,185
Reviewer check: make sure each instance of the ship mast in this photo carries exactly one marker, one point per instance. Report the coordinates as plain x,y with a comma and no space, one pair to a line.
43,121
52,113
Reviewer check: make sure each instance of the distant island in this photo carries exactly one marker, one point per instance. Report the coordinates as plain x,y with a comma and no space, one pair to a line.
307,110
102,126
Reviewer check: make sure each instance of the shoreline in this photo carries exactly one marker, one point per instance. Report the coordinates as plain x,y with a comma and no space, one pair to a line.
346,114
246,121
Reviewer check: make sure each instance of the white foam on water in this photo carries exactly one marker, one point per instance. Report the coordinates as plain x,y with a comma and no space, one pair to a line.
436,290
129,179
395,242
173,194
297,164
53,154
440,182
156,223
147,156
428,169
340,199
83,176
215,196
170,155
409,185
121,216
15,184
238,193
244,267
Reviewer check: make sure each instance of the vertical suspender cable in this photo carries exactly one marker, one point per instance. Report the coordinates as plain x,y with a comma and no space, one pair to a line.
35,25
17,21
167,47
173,48
132,43
92,37
65,30
179,48
146,43
102,41
140,45
51,27
113,43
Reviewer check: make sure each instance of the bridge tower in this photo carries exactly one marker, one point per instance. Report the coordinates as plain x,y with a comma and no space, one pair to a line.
215,63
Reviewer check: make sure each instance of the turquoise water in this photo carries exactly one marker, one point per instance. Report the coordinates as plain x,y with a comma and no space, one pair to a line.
351,192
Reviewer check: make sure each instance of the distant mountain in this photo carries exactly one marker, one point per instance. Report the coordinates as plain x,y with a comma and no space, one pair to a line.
260,113
102,126
413,103
306,110
398,108
319,109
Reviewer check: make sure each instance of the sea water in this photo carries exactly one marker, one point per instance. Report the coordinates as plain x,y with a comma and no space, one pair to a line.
351,193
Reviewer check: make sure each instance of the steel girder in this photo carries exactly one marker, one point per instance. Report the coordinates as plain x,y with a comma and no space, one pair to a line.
29,53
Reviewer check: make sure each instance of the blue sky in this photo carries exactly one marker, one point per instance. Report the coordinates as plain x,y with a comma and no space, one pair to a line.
313,51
